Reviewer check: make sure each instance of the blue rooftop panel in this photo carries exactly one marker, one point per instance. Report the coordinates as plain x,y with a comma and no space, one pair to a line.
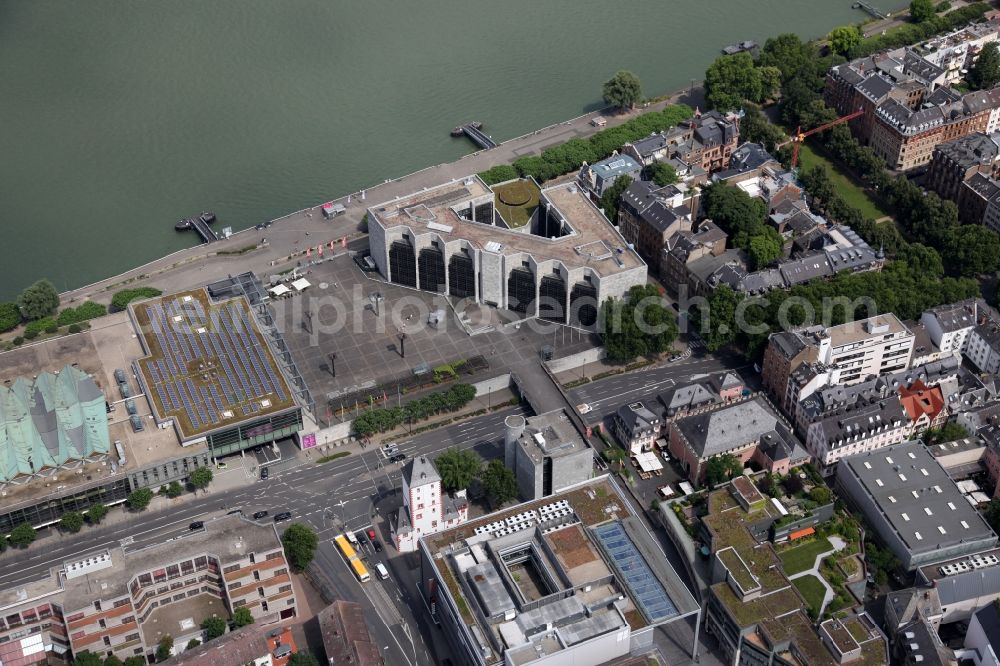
645,588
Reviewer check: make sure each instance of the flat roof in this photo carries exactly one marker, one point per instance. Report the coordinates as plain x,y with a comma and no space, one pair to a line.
551,434
864,329
917,497
594,243
591,532
208,365
229,537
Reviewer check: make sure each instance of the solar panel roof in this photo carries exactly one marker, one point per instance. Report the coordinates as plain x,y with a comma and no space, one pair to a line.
642,583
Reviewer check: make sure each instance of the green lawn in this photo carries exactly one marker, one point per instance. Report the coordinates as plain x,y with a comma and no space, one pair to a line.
848,188
813,591
801,558
516,201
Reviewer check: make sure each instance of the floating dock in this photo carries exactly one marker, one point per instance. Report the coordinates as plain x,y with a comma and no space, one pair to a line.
733,49
200,226
869,9
475,132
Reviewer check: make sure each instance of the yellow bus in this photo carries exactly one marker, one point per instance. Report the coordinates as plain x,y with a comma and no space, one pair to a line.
352,558
345,547
360,571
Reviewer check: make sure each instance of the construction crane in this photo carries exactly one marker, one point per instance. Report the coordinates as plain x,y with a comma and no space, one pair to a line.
800,136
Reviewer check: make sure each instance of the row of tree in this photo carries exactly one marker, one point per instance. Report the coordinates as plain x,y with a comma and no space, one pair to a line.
640,324
568,156
460,467
383,419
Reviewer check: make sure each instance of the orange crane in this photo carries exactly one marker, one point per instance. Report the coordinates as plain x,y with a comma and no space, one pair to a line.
800,136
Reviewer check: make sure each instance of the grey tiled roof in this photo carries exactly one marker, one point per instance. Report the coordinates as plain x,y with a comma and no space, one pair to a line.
875,87
727,428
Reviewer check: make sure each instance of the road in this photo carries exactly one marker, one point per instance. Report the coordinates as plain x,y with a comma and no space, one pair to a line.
331,497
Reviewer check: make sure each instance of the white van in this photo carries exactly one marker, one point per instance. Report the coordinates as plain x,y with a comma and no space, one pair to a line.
383,573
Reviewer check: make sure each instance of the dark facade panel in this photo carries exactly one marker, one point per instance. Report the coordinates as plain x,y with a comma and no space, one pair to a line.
431,262
403,264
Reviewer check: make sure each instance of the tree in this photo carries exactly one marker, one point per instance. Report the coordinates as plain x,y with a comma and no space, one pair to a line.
844,39
300,544
663,174
214,627
986,72
97,512
458,467
922,10
730,80
623,90
949,432
10,316
39,300
792,483
302,658
735,211
112,660
193,643
242,616
86,658
722,468
201,477
821,495
172,490
765,248
992,514
71,521
717,324
135,661
499,482
788,53
165,648
641,324
139,499
612,196
23,535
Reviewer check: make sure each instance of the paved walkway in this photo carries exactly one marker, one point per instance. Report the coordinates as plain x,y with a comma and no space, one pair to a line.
838,545
284,243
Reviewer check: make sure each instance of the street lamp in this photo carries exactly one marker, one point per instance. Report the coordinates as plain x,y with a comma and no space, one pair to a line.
333,367
402,345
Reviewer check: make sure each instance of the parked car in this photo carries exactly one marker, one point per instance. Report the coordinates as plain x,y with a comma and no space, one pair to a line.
390,449
259,515
399,457
377,545
197,525
264,473
283,516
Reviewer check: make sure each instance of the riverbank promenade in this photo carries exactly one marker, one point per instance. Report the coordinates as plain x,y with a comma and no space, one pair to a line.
283,244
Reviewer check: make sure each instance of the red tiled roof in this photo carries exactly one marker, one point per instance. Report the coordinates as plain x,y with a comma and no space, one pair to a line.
918,399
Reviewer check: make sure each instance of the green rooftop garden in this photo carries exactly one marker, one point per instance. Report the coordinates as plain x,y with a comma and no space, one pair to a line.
803,557
813,592
516,201
738,570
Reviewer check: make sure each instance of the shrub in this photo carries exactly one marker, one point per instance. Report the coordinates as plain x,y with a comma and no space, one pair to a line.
30,335
10,316
83,312
122,298
22,535
74,328
52,328
19,340
498,174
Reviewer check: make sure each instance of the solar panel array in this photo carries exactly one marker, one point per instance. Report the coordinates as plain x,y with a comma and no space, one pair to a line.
647,591
220,345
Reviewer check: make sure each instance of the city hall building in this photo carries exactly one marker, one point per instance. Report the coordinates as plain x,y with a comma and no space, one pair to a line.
547,253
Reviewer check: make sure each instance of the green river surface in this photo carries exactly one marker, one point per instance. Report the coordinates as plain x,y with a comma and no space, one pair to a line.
119,117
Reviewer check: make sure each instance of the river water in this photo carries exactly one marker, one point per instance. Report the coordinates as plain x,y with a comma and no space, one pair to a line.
119,117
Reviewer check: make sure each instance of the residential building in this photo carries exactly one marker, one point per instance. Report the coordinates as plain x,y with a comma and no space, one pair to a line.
682,251
574,578
636,427
982,640
955,162
911,503
345,635
978,201
949,325
868,426
749,161
249,645
109,602
426,509
728,385
956,52
452,239
908,108
736,428
598,177
785,352
546,453
983,347
649,216
706,140
680,401
924,405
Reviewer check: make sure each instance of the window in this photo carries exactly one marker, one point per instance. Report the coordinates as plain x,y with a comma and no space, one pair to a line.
128,618
231,568
284,588
97,605
121,602
107,640
102,624
275,555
